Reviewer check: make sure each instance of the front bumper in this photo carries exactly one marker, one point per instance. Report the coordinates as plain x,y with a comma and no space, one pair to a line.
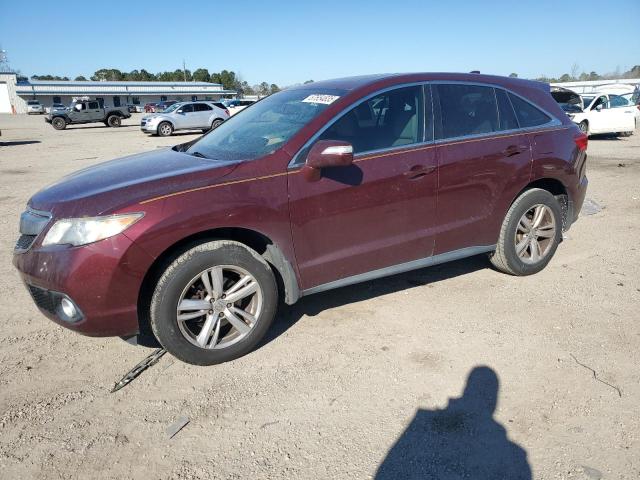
149,127
102,280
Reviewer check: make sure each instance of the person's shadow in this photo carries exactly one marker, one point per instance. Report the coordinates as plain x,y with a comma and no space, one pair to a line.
461,441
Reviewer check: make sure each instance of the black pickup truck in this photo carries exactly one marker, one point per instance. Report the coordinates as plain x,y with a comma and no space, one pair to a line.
87,111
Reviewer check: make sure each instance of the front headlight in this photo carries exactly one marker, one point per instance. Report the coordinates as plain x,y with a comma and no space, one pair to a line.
80,231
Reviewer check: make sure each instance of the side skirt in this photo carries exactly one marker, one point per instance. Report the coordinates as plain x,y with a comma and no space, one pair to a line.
401,268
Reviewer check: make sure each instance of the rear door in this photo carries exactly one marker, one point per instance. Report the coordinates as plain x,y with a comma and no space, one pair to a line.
379,212
202,114
625,113
94,112
482,158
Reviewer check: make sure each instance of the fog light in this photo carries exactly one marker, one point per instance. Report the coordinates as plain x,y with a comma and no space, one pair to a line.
68,308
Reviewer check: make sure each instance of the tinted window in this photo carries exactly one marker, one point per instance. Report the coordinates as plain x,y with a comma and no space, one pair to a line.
467,110
506,116
617,101
390,119
187,108
528,115
600,101
201,107
93,105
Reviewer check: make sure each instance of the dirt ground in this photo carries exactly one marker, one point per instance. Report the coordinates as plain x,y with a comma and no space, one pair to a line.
351,384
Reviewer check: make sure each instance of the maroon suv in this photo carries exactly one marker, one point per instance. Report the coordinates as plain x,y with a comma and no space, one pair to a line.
313,188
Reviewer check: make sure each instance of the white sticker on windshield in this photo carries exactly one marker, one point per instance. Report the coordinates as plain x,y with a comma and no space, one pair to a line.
324,99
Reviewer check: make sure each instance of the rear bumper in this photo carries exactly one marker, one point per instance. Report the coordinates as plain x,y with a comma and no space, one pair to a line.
575,201
101,279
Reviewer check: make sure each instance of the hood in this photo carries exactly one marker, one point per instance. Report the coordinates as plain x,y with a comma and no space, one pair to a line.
569,100
110,186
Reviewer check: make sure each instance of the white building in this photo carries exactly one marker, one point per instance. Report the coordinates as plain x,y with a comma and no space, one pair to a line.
14,94
618,87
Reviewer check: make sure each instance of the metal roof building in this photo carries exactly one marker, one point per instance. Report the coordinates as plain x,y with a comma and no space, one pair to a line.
112,93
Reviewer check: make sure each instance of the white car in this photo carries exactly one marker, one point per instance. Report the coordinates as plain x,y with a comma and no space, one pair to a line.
203,116
34,106
606,113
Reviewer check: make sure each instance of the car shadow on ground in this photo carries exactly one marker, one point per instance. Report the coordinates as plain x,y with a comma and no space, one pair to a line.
312,305
461,441
18,142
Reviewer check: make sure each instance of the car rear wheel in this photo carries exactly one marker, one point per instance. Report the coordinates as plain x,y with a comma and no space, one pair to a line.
214,303
584,127
530,234
114,121
165,129
216,123
59,123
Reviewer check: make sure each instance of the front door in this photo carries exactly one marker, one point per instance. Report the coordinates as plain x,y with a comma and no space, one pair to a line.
186,117
380,211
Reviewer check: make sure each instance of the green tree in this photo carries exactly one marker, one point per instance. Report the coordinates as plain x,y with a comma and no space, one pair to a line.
311,81
512,75
594,76
566,78
273,88
201,75
263,88
80,78
107,75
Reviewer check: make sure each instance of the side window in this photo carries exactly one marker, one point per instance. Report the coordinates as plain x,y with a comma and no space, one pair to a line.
390,119
116,101
201,107
187,108
528,115
467,110
93,106
617,101
506,116
56,100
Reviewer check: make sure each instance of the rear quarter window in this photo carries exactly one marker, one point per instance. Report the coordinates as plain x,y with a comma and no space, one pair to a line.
507,117
528,115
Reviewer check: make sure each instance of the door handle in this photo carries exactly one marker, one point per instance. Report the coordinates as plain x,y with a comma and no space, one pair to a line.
419,171
512,150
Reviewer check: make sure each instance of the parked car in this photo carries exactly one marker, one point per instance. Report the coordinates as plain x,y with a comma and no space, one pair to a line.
362,177
57,107
606,113
149,107
34,106
87,111
236,106
184,116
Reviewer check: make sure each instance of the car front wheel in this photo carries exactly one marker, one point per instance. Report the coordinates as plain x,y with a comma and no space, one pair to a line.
584,127
165,129
59,123
114,121
214,303
530,234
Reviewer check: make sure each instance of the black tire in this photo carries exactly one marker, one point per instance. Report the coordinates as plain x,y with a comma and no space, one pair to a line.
216,123
114,121
584,127
165,129
59,123
505,258
181,273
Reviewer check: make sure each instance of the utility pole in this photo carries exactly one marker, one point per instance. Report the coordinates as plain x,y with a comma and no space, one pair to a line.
184,70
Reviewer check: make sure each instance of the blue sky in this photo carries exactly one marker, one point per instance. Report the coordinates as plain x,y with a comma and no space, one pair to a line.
286,42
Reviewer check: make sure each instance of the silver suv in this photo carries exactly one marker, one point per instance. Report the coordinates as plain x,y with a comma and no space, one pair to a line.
203,116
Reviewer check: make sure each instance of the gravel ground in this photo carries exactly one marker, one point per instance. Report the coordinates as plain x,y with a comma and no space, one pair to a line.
366,381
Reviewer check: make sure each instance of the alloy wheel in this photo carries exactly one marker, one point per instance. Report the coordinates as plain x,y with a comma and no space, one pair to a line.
219,307
535,234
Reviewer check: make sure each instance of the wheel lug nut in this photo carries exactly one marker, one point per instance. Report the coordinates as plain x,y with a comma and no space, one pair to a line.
229,305
221,314
210,312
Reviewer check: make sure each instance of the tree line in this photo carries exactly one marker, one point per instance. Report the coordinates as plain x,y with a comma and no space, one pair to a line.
228,79
577,76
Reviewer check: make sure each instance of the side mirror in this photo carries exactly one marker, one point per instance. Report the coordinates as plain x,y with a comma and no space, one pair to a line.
599,108
327,153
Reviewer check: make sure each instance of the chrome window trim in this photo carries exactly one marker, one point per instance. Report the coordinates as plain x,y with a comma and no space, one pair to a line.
554,122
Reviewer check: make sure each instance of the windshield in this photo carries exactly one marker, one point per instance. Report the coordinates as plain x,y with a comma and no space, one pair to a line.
266,125
33,102
586,101
171,108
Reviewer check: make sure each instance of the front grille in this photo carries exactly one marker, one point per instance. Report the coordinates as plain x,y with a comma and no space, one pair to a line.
25,242
44,299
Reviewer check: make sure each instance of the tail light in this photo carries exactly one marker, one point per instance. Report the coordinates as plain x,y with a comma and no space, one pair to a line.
227,111
581,141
